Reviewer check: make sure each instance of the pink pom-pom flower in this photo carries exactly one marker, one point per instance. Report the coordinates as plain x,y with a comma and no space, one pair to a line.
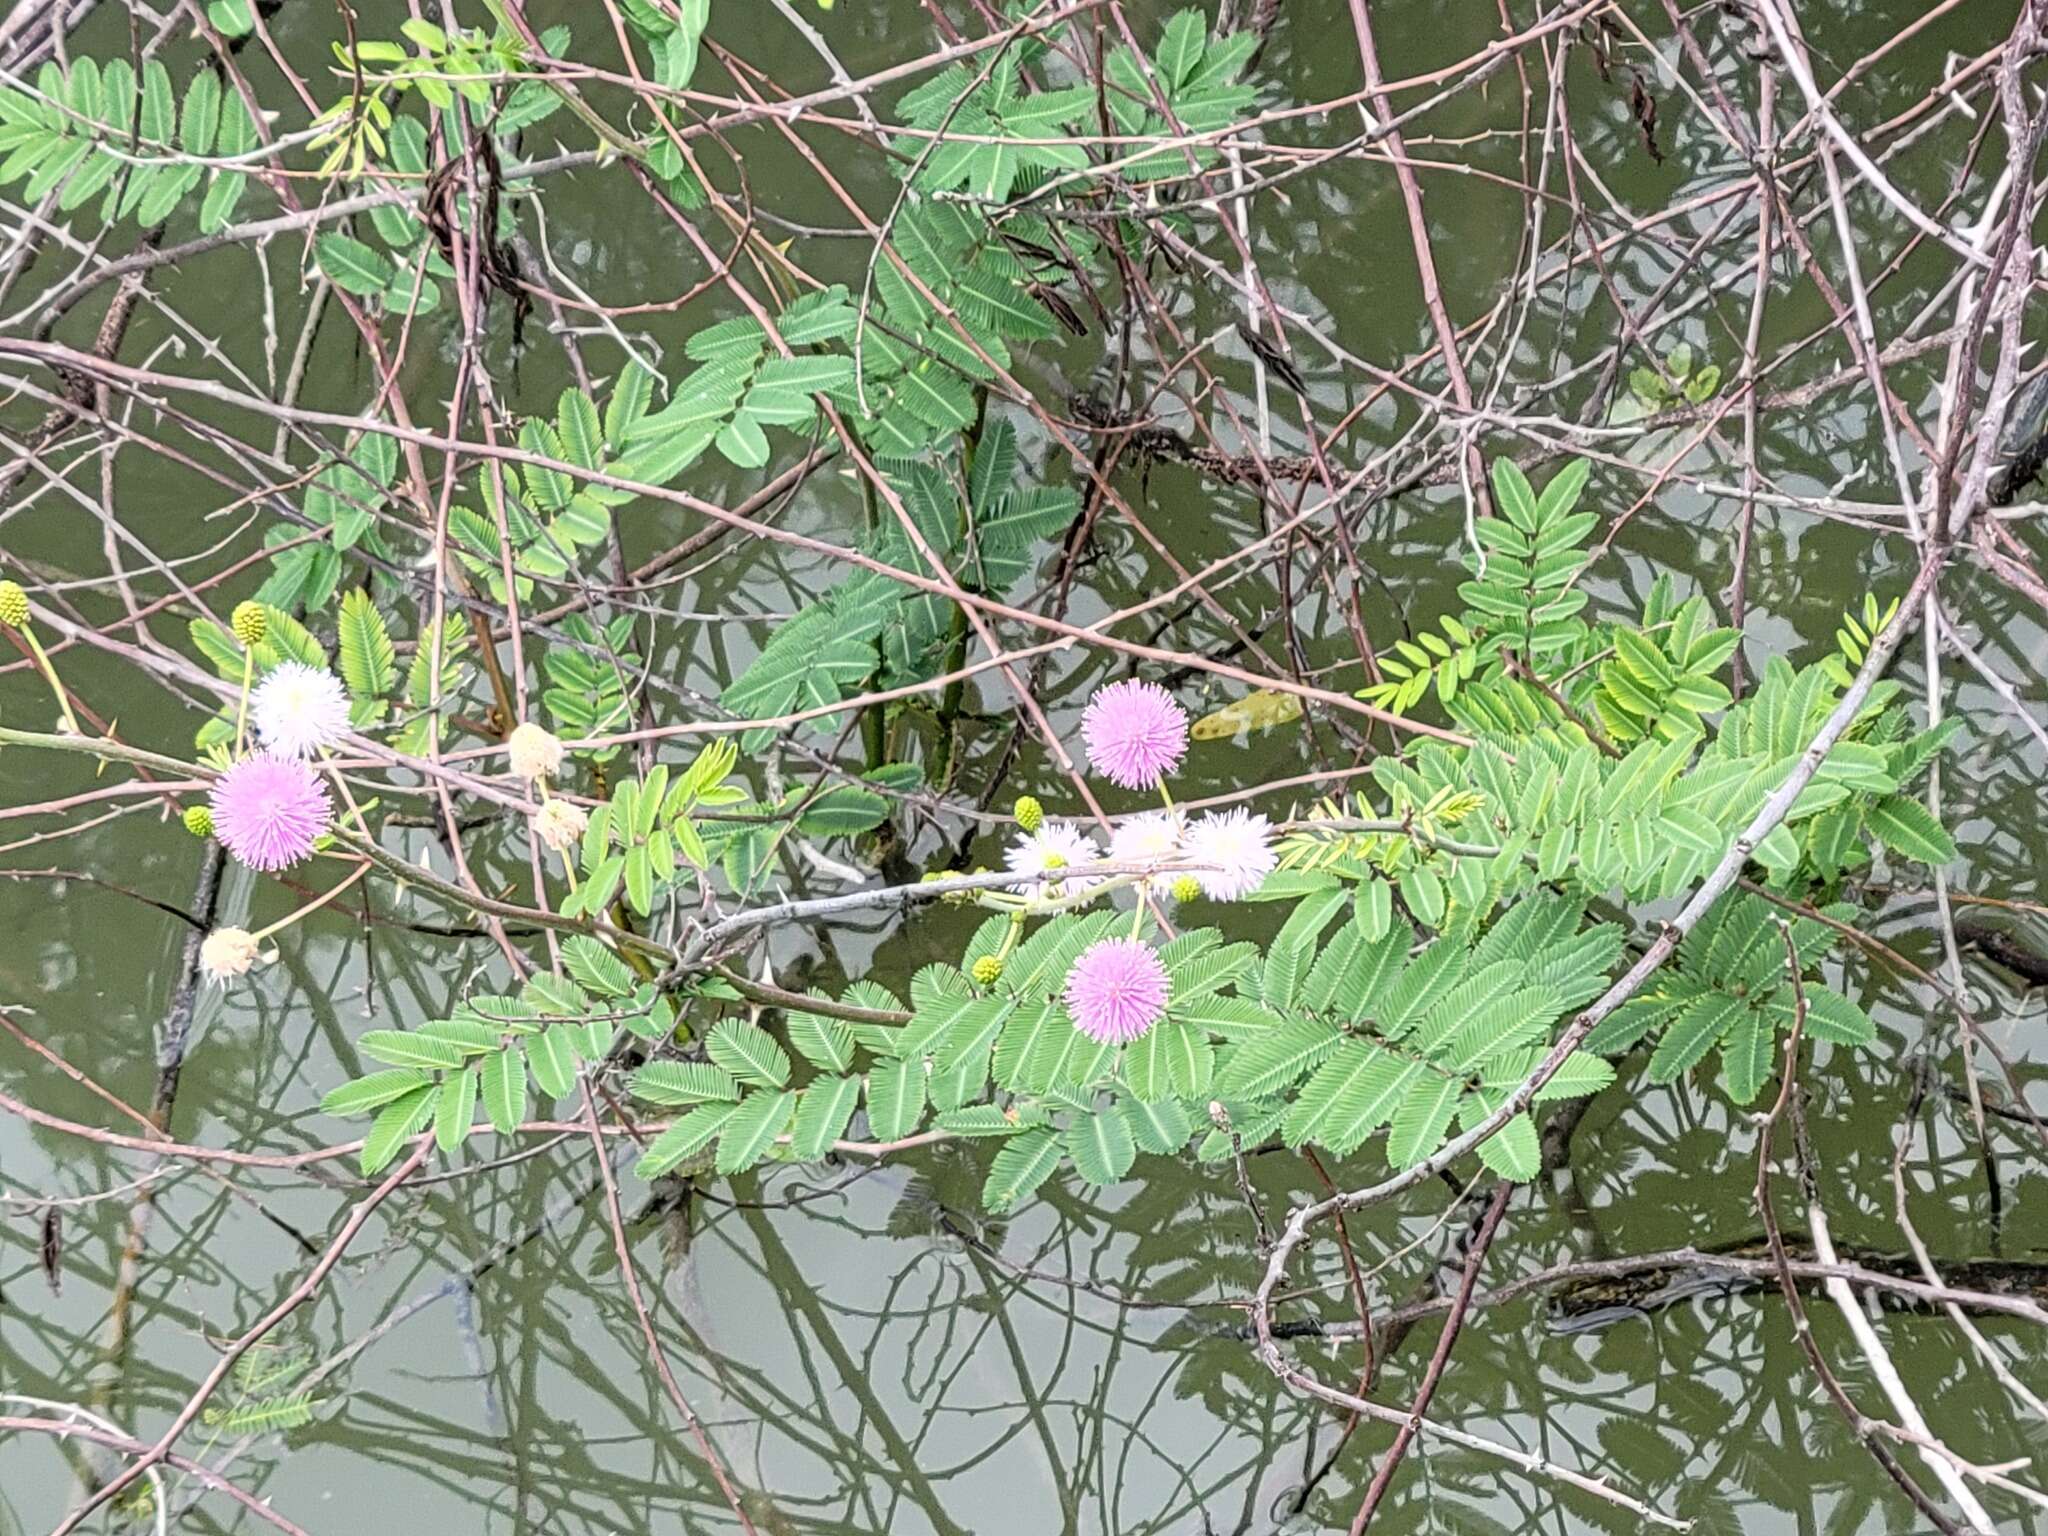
268,811
1116,990
1135,733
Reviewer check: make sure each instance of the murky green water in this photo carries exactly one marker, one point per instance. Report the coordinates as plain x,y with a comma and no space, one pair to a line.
869,1353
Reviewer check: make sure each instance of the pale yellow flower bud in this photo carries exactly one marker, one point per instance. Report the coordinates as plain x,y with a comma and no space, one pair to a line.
559,824
535,752
227,953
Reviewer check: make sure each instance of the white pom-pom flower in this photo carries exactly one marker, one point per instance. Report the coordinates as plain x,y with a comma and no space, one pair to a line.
1153,838
227,953
1055,846
559,824
535,751
1232,853
299,711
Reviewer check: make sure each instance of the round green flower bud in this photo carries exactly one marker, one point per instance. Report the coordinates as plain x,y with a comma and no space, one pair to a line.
1186,888
250,624
13,605
986,971
1030,814
199,821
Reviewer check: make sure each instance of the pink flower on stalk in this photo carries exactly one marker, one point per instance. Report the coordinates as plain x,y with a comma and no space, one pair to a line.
268,811
1136,734
1116,990
1232,854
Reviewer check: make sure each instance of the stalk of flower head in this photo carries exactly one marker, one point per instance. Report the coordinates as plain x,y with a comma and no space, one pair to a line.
1047,906
14,614
229,952
250,625
355,812
362,868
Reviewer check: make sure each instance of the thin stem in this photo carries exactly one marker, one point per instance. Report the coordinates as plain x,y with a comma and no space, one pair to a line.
49,672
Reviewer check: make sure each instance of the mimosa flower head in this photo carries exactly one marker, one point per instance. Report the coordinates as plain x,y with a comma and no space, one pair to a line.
1116,990
268,811
535,751
1153,838
559,824
1232,853
1054,846
250,624
227,953
299,710
1135,733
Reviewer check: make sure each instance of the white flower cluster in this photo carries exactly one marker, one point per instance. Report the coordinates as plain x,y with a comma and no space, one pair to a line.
1228,854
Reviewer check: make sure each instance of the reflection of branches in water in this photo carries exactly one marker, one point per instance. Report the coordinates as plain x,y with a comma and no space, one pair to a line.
1151,1235
830,1412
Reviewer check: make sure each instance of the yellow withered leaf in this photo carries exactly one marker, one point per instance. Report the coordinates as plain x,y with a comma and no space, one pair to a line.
1257,711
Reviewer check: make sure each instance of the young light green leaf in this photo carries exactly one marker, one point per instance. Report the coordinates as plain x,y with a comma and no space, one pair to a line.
749,1053
896,1098
396,1124
597,966
1102,1146
353,266
825,1042
683,1140
407,1048
751,1129
821,1116
369,664
372,1092
1909,829
504,1088
456,1111
684,1082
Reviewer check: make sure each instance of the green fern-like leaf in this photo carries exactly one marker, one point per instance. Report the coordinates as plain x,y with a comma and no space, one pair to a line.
1024,1163
685,1082
369,664
1101,1146
268,1415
